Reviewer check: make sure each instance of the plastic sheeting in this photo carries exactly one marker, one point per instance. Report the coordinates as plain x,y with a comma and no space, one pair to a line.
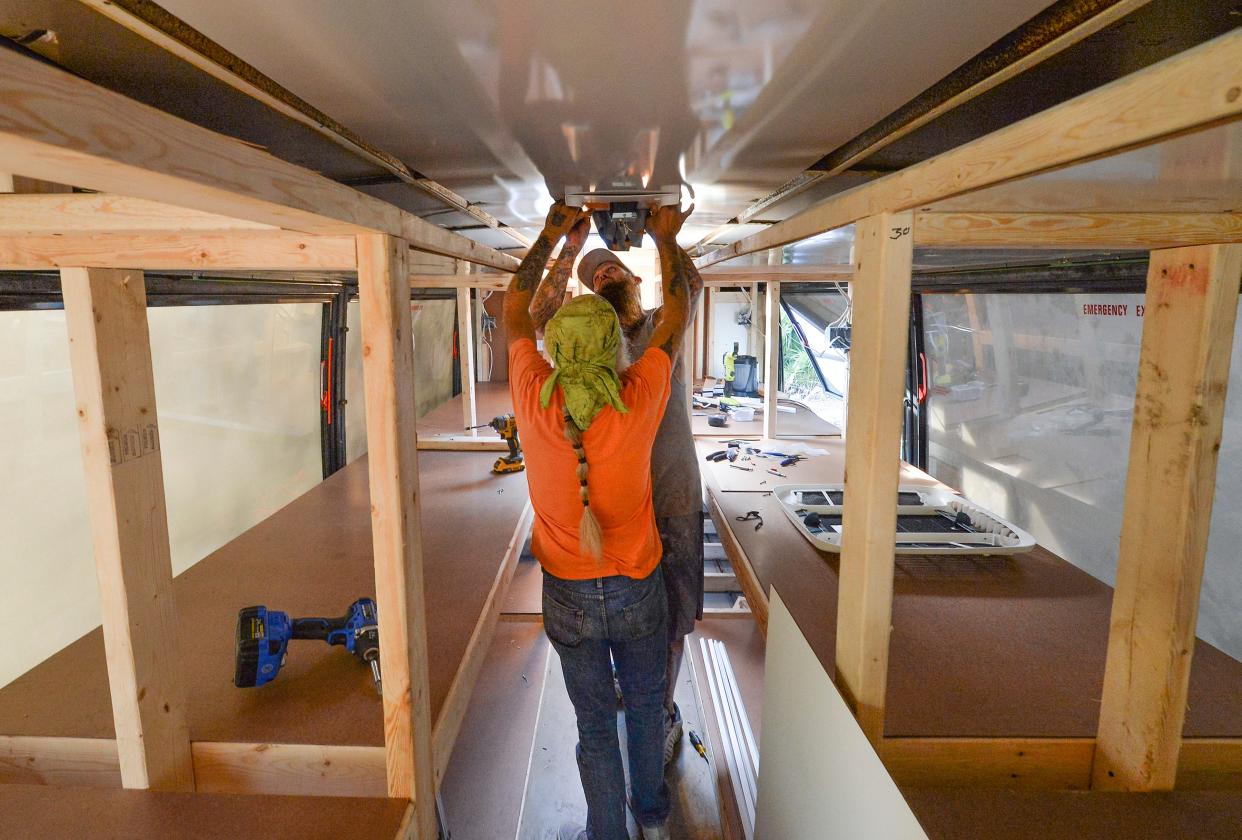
1030,415
237,392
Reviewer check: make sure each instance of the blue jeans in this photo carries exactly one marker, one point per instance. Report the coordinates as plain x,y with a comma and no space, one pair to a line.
594,624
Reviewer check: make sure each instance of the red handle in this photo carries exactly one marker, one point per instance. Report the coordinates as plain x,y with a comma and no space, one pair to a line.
922,389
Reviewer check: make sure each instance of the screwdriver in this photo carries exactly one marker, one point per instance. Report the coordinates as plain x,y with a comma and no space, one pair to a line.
698,745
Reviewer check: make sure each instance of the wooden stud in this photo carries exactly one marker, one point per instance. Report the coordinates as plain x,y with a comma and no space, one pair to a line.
388,378
1038,763
69,762
460,443
708,328
1191,304
698,372
274,250
752,334
490,282
1143,231
465,360
99,213
771,357
114,388
1193,89
289,769
880,294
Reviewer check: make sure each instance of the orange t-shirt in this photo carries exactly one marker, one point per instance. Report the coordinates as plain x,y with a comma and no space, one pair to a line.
618,452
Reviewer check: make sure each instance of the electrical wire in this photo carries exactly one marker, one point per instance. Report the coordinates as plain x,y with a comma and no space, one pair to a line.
485,334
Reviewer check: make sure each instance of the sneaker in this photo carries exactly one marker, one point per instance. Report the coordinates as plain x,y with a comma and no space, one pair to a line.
672,735
574,831
656,833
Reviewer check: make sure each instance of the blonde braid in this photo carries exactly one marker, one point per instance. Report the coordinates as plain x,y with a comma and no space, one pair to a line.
590,539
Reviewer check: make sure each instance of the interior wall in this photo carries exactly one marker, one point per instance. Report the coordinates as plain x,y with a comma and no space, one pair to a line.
725,307
1030,415
237,390
434,322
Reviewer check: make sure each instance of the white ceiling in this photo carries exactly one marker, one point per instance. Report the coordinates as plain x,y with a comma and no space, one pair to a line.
508,100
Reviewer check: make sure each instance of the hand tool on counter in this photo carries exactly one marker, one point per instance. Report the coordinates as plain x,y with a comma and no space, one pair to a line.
263,640
505,426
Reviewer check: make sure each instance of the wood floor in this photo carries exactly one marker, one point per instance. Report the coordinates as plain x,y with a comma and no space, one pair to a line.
554,792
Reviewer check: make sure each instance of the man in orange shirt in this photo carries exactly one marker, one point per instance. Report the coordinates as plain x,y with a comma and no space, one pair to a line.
588,424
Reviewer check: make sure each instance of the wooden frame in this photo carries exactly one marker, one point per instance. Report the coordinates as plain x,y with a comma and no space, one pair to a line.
465,361
152,155
248,250
880,297
388,375
114,385
1179,410
771,357
231,197
281,769
1190,90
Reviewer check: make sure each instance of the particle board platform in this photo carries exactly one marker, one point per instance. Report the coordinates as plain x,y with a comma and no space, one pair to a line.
65,813
802,423
981,646
312,557
445,420
948,814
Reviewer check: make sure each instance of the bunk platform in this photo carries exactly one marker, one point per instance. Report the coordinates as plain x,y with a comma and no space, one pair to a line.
981,813
312,557
982,647
61,813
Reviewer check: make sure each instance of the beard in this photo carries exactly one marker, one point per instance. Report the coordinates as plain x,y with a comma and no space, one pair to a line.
623,298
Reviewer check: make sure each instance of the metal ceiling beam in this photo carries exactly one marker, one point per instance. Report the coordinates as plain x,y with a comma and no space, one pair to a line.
157,25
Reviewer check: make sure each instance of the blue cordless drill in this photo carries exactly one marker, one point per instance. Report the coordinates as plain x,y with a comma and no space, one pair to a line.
263,639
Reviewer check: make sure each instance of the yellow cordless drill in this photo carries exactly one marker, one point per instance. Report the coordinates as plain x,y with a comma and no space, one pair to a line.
506,426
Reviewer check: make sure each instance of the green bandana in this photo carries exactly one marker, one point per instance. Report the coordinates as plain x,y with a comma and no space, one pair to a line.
583,339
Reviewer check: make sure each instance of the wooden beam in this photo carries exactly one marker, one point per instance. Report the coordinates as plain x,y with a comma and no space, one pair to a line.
1210,764
487,282
752,333
69,762
58,127
289,769
388,379
313,770
1193,89
1141,231
274,250
771,357
80,213
465,362
453,712
460,443
114,389
10,183
1039,763
1179,404
883,252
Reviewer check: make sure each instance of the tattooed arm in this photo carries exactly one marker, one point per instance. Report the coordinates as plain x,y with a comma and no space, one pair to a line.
677,274
518,322
551,292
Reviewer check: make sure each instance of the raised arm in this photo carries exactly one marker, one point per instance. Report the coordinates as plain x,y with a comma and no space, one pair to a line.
518,322
551,292
678,276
